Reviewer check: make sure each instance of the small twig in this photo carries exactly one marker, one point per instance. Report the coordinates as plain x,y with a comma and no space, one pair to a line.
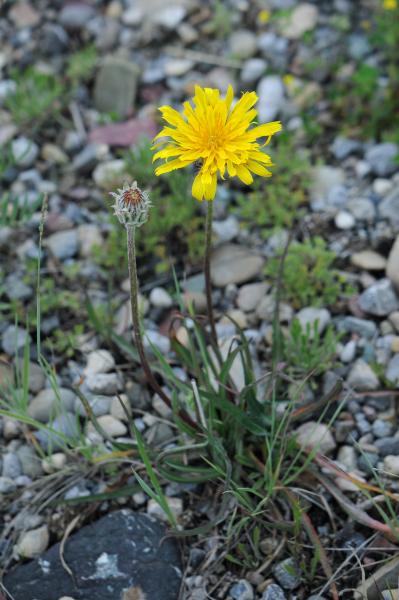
66,535
77,120
204,57
198,404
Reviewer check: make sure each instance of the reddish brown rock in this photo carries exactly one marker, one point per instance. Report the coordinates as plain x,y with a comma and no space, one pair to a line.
123,134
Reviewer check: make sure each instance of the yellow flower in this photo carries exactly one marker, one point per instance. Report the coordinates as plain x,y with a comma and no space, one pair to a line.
217,137
390,4
264,16
288,80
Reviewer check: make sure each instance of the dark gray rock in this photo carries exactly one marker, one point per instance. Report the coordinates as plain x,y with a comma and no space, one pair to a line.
387,446
54,40
121,552
367,461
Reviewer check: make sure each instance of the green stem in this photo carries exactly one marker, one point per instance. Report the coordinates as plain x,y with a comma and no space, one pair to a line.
134,293
207,271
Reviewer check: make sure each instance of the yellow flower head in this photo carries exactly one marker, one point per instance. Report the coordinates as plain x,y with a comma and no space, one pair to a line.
216,136
264,16
390,4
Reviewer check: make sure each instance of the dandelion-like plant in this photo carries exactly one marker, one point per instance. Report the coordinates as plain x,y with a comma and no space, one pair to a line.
219,137
131,207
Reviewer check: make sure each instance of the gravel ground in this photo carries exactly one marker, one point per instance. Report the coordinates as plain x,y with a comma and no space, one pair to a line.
143,54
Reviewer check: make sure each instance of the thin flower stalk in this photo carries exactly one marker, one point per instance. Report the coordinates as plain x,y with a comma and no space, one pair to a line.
132,207
207,271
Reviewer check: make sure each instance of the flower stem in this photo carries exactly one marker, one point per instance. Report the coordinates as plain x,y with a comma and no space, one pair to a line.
134,292
207,270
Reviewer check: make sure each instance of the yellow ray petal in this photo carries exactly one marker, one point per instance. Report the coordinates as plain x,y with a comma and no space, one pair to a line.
210,188
172,165
197,189
258,169
244,174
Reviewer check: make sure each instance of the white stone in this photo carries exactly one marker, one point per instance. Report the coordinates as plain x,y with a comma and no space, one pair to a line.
103,383
157,340
132,16
160,298
110,174
310,314
393,264
89,236
99,361
25,151
344,220
252,69
315,435
34,542
303,18
175,505
54,462
348,457
250,295
123,413
270,91
381,186
176,67
348,352
170,16
368,260
391,464
362,376
112,427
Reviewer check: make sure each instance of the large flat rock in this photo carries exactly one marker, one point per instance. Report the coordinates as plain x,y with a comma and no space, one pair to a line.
122,553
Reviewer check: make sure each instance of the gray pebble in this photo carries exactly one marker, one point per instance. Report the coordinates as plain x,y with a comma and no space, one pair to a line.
287,574
362,327
388,445
273,592
7,485
14,339
25,151
16,289
31,463
381,158
367,461
343,147
382,429
103,383
242,590
63,244
67,425
11,466
379,299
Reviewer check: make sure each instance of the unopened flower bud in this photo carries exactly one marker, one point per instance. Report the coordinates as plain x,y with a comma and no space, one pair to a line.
131,205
